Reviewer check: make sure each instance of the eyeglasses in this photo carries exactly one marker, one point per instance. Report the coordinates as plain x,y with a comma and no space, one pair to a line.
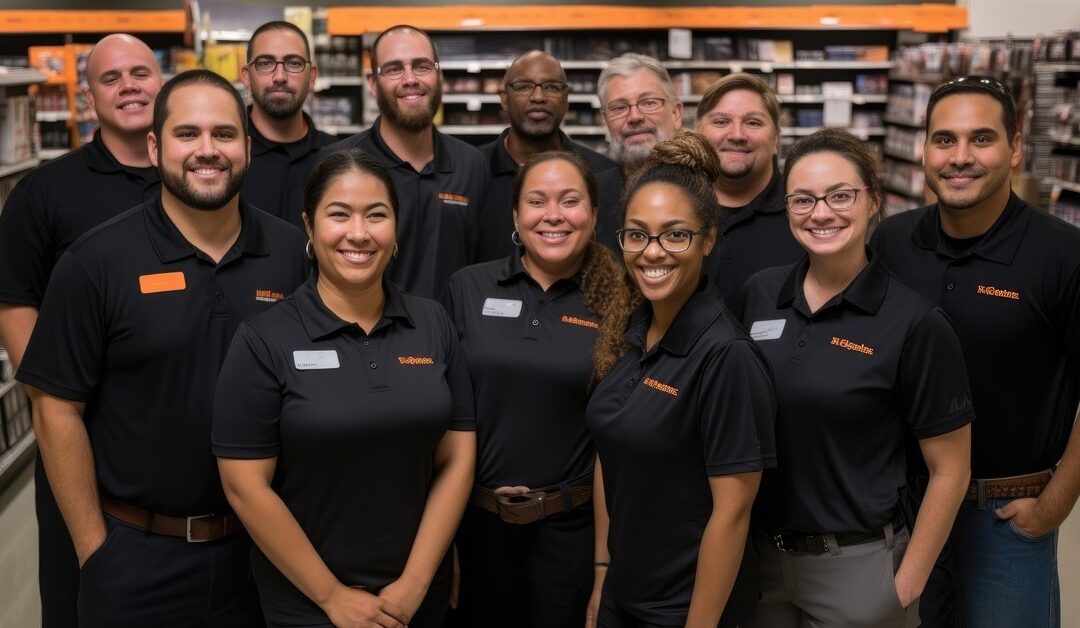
672,241
837,200
528,87
292,65
396,69
644,106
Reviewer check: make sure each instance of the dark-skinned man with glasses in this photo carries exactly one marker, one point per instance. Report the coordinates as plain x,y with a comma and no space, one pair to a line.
535,96
1008,277
440,180
284,141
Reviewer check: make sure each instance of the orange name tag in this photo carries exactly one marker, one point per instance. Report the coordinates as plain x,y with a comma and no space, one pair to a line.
162,282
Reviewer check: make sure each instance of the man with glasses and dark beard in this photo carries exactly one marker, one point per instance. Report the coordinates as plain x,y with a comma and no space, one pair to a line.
284,141
535,96
441,181
123,363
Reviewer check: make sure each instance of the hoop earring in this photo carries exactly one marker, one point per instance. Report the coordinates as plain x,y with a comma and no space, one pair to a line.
515,238
309,250
396,250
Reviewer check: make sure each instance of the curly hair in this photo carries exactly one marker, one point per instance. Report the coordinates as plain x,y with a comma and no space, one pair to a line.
688,162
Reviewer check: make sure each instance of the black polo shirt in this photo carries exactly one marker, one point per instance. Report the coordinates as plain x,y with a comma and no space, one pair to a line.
438,223
496,215
530,356
353,420
752,238
56,203
135,323
278,172
852,381
698,404
1014,298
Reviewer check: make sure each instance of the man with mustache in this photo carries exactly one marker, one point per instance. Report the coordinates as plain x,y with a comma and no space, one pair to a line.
440,180
640,108
740,116
284,141
535,96
122,365
47,211
1008,276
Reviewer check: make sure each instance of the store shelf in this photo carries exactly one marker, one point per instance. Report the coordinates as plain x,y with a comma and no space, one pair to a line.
324,82
474,67
53,116
495,129
16,457
916,159
494,99
902,121
929,79
808,99
1058,66
46,154
1072,186
17,167
341,129
901,191
768,66
800,131
1060,139
10,77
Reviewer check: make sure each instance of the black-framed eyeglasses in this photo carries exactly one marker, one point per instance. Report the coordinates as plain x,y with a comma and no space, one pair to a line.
672,240
394,70
292,65
522,88
837,200
644,106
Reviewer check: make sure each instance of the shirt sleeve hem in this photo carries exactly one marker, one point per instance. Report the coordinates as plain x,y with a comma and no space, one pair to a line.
20,298
745,466
946,426
463,425
245,453
50,387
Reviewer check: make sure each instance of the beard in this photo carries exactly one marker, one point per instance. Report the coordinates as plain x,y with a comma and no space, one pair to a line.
534,130
178,185
411,119
279,107
634,156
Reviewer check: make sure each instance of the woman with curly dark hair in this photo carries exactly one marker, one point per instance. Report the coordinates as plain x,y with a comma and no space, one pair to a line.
683,420
529,324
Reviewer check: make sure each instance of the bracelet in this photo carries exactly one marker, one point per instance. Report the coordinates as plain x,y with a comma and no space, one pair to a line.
600,563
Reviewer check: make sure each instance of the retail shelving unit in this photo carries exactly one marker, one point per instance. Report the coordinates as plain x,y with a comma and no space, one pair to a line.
1055,136
18,152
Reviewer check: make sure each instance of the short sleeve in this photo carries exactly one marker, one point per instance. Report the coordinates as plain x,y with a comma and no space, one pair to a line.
933,384
247,400
457,378
65,353
26,250
737,411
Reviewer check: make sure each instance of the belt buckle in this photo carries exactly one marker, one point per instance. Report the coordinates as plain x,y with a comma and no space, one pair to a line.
780,545
189,521
521,503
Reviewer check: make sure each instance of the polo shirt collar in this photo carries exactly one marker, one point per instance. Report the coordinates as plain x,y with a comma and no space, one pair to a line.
170,245
260,145
697,314
502,163
100,159
999,244
319,322
442,162
866,292
513,270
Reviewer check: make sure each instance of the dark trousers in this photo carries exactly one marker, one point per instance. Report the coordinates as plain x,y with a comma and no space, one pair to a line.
136,579
613,616
939,605
537,575
58,566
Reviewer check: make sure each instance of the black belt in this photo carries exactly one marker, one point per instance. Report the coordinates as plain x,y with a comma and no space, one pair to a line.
819,543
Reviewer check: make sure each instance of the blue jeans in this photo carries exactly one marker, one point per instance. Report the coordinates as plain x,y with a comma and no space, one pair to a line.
1006,579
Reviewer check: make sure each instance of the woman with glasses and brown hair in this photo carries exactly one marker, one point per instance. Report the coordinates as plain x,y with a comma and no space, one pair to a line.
528,325
682,420
861,362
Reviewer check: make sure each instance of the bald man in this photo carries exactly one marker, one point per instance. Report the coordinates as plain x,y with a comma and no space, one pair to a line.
535,96
45,213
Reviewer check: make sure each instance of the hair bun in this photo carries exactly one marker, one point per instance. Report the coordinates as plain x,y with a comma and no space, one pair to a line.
689,150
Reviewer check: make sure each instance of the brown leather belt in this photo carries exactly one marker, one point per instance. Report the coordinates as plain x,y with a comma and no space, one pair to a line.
1029,485
197,529
529,507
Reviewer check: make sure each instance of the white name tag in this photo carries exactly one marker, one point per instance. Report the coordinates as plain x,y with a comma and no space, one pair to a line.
767,330
505,308
315,360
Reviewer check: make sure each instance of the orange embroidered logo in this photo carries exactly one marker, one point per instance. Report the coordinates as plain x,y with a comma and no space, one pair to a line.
414,361
268,296
991,291
573,320
453,199
662,387
850,345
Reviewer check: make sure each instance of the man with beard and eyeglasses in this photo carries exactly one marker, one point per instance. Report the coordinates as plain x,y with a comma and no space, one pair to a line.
535,96
440,180
284,141
123,363
1008,276
740,117
48,210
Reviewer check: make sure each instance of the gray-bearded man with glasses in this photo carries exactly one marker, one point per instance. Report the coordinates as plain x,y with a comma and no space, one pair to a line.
284,141
440,180
535,96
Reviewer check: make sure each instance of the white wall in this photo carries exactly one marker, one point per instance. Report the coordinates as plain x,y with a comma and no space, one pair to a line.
1019,18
